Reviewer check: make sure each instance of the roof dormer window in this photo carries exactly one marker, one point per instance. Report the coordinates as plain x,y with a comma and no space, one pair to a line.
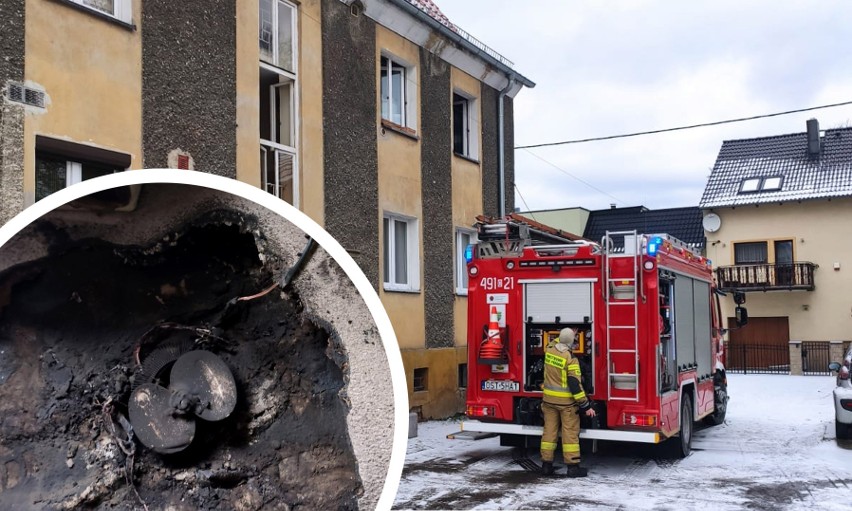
761,184
771,183
750,185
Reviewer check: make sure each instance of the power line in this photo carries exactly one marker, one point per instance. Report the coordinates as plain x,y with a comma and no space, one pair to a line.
524,201
560,169
702,125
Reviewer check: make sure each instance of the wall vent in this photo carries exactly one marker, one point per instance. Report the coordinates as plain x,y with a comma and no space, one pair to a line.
19,93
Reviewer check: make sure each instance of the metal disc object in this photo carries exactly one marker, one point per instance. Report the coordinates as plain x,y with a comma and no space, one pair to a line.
154,421
203,374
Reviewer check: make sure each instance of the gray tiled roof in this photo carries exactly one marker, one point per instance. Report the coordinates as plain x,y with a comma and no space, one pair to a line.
829,175
681,223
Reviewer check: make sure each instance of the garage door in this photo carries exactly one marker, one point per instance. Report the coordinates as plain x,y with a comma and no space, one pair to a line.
762,346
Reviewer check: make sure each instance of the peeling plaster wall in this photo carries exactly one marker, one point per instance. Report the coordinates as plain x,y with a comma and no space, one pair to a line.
189,85
11,115
436,154
350,153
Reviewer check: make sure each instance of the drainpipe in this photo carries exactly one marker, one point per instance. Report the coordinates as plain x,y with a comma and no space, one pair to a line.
501,142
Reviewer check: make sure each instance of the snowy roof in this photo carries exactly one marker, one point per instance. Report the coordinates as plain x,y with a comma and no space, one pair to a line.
779,169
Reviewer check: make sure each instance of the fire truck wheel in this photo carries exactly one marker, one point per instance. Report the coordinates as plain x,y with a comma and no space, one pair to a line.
720,405
682,444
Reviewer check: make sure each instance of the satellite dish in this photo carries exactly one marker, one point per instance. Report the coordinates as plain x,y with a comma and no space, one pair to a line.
711,222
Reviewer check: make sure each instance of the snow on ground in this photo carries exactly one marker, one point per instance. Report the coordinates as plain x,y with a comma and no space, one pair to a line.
776,450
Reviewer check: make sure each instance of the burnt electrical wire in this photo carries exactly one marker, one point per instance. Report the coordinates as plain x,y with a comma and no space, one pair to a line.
283,283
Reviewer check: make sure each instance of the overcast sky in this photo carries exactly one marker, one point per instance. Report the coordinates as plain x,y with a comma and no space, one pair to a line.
606,68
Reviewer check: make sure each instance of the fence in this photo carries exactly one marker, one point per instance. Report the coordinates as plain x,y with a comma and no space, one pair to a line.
758,358
815,358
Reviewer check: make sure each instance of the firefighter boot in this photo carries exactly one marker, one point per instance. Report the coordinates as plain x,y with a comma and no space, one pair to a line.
547,468
575,470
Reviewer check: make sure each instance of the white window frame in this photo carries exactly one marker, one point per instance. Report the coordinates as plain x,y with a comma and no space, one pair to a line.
461,262
471,125
275,29
273,150
271,147
412,253
122,9
408,114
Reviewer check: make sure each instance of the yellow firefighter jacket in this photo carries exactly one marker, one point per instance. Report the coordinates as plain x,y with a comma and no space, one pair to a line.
562,376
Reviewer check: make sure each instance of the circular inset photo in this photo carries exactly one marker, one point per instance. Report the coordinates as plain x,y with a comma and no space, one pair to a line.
177,340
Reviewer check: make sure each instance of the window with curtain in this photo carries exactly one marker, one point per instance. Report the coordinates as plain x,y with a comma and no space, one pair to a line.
401,270
751,253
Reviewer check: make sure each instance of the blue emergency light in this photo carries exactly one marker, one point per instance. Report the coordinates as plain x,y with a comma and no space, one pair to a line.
654,244
468,253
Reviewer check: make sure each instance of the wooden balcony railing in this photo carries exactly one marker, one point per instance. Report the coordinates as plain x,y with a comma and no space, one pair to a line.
766,277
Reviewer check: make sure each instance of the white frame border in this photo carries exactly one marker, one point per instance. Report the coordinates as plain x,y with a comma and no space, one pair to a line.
297,218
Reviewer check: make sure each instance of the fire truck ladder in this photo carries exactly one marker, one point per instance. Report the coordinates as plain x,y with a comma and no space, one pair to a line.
632,250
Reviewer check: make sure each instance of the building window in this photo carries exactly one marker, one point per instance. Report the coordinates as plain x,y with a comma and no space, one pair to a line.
121,10
277,32
421,379
771,183
757,184
278,102
398,92
750,185
401,261
61,163
464,238
462,376
465,126
750,253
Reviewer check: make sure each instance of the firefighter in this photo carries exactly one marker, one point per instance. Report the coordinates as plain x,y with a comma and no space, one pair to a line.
563,395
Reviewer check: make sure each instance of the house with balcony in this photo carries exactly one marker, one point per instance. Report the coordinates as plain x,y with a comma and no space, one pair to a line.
382,120
776,216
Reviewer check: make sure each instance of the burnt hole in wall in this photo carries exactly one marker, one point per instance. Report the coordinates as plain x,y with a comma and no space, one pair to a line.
74,327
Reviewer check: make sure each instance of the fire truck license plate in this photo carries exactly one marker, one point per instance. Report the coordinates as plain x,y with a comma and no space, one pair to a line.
501,385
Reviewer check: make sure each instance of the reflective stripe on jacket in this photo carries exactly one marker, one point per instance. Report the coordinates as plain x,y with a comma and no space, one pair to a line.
562,377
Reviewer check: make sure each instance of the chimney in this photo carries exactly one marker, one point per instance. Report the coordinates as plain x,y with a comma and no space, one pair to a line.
813,138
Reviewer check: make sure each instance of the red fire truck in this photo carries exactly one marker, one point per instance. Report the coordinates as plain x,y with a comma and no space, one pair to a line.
650,343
